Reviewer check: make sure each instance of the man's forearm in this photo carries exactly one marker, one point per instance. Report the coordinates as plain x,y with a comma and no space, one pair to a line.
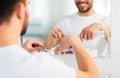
85,62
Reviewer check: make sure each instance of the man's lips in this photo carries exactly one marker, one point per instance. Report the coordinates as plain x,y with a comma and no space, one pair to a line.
81,4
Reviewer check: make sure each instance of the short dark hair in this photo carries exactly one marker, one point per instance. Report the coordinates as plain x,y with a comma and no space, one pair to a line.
7,8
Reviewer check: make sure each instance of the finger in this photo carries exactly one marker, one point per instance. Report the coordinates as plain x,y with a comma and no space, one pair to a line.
88,35
85,35
37,49
81,36
53,34
37,44
60,30
84,32
59,34
40,49
92,35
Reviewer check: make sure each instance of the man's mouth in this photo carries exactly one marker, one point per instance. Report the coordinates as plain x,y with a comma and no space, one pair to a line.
81,4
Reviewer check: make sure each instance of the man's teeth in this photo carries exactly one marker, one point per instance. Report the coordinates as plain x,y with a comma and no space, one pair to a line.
83,4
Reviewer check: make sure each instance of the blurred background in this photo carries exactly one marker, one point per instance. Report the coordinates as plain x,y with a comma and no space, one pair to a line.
46,13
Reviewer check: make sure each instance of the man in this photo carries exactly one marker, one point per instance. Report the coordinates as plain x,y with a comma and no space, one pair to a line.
16,62
86,23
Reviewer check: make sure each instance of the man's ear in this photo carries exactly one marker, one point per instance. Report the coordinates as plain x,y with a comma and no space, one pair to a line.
20,11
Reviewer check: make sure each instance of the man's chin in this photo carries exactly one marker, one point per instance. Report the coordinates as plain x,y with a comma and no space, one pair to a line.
84,10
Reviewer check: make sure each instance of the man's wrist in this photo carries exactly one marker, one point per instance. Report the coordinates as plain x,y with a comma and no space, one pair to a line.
74,41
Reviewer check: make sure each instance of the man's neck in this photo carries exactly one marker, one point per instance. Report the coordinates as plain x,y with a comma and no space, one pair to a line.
89,13
6,41
8,36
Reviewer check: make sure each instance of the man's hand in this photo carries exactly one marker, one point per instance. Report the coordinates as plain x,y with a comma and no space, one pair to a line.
57,33
54,37
89,32
64,44
68,41
32,45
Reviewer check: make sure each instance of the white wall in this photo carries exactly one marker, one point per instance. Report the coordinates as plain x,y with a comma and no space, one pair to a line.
115,39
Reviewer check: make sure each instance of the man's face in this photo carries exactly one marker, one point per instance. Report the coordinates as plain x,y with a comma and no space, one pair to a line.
84,5
26,20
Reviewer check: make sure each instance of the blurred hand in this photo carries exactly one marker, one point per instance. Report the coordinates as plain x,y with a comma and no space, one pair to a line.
89,32
54,37
32,45
57,33
66,42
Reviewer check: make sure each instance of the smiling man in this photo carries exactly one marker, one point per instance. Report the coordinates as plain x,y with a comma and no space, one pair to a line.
16,62
85,23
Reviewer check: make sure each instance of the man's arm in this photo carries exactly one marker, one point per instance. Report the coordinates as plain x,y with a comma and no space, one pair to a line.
87,67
